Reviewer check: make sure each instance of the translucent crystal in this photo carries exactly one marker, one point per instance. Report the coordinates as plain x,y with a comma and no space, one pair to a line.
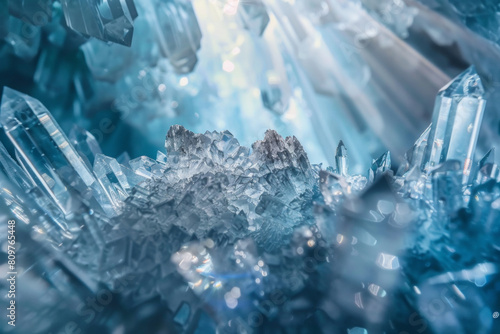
456,121
177,32
146,167
111,20
54,166
25,119
381,165
13,171
85,144
254,16
341,159
118,180
213,236
42,210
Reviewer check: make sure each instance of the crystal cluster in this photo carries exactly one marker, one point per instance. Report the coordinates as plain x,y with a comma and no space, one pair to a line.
212,236
215,237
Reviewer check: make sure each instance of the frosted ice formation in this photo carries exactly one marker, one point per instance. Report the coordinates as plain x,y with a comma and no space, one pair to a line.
211,236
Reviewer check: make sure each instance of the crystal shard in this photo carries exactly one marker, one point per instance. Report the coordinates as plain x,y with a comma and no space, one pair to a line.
254,16
341,159
177,31
55,165
85,144
456,122
381,165
28,124
110,20
118,180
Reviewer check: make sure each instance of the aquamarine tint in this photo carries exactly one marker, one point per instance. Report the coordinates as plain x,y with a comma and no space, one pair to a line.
284,202
214,225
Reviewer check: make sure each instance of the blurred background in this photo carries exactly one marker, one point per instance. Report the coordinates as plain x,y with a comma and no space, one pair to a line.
364,71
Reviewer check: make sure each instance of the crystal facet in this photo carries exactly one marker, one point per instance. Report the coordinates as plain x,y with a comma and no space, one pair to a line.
456,121
110,20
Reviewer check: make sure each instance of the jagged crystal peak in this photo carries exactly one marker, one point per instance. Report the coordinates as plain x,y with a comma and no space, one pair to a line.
489,157
341,150
341,159
382,164
468,83
280,152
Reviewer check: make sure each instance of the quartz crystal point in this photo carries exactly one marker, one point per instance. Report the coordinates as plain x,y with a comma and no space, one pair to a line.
46,152
85,144
118,180
456,122
110,20
381,165
177,31
254,15
43,211
341,159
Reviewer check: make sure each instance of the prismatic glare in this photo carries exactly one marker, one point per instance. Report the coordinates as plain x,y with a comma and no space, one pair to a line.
250,166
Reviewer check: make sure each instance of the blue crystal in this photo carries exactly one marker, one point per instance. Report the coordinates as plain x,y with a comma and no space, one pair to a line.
177,30
341,159
254,15
456,121
216,236
85,144
55,165
110,20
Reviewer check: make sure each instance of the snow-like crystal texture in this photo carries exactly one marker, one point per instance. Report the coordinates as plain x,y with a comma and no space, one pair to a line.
215,237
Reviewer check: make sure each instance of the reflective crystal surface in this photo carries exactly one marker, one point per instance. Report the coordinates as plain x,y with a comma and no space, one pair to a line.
110,20
456,121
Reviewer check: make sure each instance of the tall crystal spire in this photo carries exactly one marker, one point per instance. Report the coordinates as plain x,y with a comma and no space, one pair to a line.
457,117
341,159
46,152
